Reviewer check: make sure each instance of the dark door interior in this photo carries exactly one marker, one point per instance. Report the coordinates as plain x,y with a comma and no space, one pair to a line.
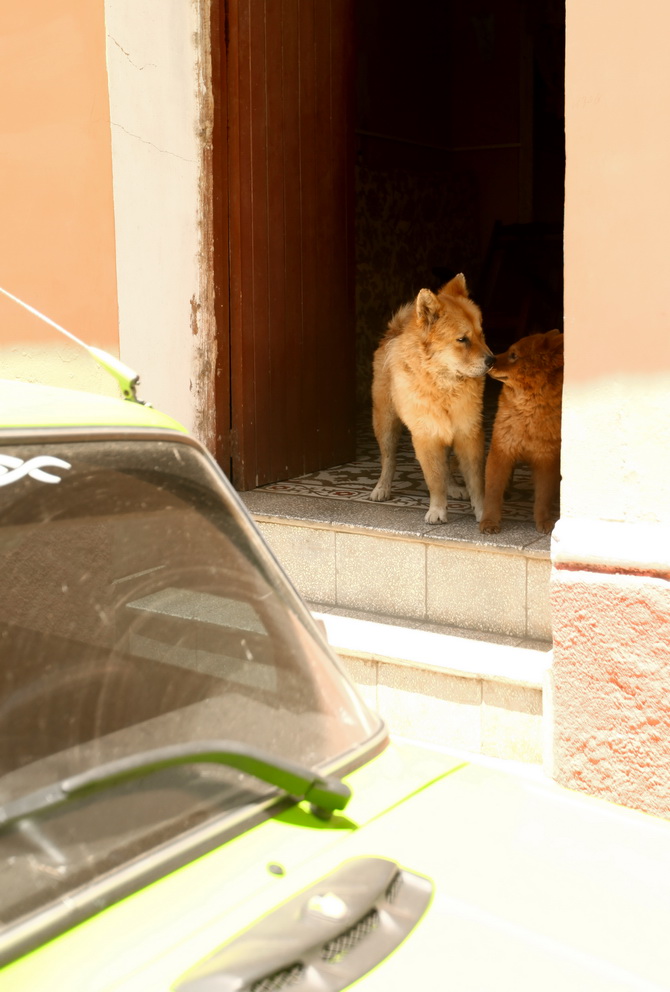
460,159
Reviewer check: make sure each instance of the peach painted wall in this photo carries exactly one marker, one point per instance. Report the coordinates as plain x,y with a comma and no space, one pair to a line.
616,438
57,232
610,586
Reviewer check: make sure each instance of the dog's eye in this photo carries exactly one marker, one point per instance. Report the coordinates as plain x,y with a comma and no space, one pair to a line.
513,356
462,340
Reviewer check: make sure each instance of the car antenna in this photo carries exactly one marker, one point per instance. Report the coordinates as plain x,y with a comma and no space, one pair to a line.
125,376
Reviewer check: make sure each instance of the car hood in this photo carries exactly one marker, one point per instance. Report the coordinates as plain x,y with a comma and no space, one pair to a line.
33,406
533,887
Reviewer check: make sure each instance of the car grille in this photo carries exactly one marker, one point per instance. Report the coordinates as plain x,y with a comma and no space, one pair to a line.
337,949
279,980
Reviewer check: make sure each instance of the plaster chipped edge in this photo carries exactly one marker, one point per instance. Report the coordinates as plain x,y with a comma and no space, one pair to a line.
611,546
203,317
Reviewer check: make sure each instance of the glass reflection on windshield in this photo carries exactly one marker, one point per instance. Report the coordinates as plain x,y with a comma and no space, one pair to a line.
136,610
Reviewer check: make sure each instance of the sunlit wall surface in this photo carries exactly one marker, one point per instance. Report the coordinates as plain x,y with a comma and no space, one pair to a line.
57,247
611,549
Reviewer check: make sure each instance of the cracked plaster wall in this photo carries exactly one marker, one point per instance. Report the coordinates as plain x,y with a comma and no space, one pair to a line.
157,61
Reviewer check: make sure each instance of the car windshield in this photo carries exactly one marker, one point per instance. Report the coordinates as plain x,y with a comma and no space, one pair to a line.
138,609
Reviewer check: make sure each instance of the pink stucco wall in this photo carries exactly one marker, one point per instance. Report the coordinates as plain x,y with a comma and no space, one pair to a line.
611,686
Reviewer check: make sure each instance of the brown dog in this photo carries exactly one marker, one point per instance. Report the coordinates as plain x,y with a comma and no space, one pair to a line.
527,427
429,374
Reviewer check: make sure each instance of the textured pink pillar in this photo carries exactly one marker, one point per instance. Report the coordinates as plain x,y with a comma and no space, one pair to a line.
612,686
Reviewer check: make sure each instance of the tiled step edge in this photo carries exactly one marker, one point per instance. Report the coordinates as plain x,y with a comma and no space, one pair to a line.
444,689
503,590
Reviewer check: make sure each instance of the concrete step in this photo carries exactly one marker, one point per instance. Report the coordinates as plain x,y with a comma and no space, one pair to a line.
386,560
445,686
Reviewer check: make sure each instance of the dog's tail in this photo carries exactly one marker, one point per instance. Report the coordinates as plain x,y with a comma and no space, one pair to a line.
397,322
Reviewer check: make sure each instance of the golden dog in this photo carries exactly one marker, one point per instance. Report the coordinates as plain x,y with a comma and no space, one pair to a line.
428,373
527,427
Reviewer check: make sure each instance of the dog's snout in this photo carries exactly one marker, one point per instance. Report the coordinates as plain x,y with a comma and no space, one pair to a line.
490,361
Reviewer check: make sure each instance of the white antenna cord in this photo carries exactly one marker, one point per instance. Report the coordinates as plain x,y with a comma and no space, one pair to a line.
47,320
126,377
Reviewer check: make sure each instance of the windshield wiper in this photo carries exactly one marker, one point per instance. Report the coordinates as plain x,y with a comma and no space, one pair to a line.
325,793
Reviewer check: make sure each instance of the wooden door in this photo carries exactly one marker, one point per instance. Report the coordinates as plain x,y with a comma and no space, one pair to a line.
289,87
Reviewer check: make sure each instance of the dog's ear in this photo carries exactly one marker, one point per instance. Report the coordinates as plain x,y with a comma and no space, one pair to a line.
456,286
554,351
427,307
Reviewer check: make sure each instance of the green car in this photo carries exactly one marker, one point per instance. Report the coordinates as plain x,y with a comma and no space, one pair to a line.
193,796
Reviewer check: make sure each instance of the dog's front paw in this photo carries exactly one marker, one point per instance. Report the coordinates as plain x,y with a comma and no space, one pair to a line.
546,525
489,526
436,515
380,493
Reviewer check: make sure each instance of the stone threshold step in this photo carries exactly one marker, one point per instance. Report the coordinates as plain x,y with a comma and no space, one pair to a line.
366,517
446,686
387,560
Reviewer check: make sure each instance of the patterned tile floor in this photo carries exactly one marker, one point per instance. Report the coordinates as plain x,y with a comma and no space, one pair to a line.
356,480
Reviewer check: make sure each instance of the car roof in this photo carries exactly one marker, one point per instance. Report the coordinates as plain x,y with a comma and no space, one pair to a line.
29,405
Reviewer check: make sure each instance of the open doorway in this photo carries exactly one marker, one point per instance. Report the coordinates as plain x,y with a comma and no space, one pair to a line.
364,154
459,167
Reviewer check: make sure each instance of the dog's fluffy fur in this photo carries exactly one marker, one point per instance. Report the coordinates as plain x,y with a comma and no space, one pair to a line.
527,427
428,373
